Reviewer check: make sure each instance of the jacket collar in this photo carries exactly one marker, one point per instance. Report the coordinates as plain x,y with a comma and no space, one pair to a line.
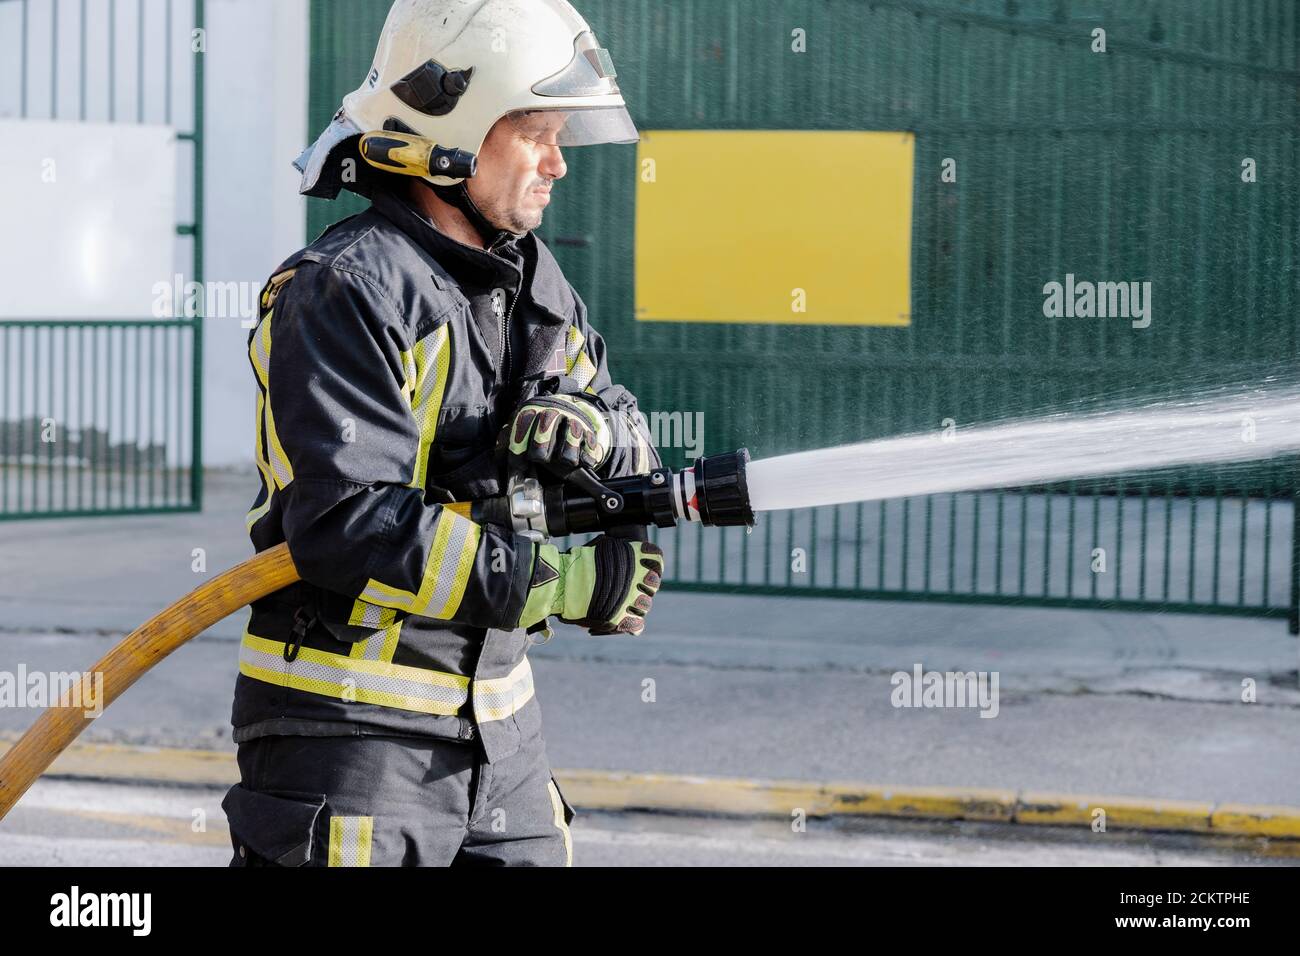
547,287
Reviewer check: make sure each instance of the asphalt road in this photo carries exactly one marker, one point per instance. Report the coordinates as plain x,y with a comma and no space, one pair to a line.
73,823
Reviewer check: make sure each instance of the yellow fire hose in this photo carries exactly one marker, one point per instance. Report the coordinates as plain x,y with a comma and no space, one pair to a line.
713,491
139,651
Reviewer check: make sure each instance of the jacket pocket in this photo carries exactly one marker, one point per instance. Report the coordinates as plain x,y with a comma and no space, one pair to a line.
463,432
462,456
350,620
276,828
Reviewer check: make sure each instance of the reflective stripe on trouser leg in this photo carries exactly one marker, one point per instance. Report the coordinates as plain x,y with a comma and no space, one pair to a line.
558,806
350,841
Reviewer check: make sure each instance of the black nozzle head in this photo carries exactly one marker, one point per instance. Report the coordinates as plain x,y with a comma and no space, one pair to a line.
722,493
455,163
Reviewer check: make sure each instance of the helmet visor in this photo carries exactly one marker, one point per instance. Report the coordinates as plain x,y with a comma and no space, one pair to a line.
590,72
587,126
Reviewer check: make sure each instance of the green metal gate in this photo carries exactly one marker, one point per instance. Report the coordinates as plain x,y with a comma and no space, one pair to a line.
104,416
1122,164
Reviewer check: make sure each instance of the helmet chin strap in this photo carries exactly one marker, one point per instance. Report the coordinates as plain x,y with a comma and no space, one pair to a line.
458,196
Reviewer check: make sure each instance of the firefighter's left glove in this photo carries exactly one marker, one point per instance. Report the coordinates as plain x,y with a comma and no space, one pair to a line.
605,585
559,432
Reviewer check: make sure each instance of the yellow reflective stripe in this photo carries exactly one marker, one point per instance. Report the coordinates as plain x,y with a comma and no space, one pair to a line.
263,467
557,807
432,359
410,371
279,462
255,514
352,679
366,681
572,346
464,566
350,839
346,665
382,645
446,573
365,614
501,697
583,370
576,363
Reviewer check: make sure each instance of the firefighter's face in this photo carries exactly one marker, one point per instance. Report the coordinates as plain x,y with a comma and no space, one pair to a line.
516,166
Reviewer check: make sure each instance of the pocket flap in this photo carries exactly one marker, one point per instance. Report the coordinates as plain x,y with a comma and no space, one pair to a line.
279,827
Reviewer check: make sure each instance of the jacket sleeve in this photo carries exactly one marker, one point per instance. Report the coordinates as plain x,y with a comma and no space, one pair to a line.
633,451
348,443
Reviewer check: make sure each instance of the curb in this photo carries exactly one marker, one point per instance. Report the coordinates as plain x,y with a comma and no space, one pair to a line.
736,796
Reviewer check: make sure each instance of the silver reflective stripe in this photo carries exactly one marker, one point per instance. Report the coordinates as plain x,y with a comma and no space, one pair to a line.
378,646
354,680
572,343
382,644
358,680
350,839
371,614
449,566
500,697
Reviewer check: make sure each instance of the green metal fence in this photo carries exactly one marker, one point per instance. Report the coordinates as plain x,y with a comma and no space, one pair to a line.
1117,166
102,416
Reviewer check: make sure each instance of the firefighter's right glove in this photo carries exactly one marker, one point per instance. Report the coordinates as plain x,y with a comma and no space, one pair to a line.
605,585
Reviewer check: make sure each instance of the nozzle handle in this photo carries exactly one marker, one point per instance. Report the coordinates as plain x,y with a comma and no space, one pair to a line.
585,479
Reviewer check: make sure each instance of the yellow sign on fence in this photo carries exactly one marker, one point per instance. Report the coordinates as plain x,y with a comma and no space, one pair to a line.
790,226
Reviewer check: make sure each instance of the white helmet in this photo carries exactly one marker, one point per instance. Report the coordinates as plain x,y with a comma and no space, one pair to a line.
445,71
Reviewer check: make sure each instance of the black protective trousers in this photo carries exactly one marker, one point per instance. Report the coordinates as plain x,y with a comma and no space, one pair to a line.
394,801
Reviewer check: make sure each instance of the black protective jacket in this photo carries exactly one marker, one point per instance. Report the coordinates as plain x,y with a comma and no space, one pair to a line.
383,379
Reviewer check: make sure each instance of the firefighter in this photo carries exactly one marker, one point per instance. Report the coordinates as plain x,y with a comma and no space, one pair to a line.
415,355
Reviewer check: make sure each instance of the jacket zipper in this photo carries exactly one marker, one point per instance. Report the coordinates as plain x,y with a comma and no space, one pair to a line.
505,342
505,324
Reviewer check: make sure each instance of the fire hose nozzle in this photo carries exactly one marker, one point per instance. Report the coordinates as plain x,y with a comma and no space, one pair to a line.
712,491
720,495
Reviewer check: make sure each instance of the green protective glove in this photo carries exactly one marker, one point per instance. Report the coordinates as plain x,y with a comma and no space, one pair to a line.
559,432
605,585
